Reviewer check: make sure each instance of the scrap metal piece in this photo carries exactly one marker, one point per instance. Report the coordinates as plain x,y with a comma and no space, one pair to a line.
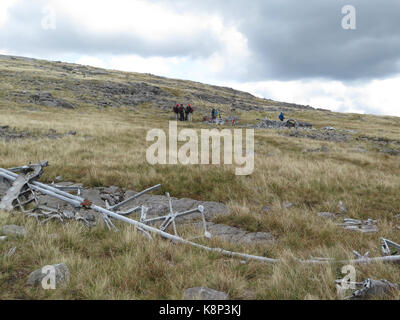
118,205
19,188
386,244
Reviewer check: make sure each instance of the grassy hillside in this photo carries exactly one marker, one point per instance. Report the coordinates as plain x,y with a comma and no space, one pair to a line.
109,148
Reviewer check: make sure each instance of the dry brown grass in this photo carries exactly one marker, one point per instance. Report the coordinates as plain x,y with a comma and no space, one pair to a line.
109,149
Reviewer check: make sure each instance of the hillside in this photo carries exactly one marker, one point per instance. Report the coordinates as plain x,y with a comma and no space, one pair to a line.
91,125
29,80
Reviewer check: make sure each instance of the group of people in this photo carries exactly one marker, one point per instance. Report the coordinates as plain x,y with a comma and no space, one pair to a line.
182,113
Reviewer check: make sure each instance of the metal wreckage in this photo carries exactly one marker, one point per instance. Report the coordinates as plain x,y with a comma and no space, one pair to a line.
23,189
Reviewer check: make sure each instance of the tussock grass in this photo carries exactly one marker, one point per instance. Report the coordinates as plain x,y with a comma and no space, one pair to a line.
109,149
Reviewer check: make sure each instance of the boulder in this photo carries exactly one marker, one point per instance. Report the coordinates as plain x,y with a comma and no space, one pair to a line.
62,276
14,231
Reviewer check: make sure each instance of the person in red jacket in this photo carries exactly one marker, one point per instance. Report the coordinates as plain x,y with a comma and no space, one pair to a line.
176,111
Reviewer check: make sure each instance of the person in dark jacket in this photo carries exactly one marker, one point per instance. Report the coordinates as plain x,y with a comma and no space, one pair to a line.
176,111
281,116
181,113
189,113
213,114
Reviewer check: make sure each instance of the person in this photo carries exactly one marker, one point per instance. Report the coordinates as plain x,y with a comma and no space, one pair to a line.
213,114
176,111
281,116
182,113
189,113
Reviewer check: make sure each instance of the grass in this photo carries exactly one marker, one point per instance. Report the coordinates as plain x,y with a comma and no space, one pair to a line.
109,149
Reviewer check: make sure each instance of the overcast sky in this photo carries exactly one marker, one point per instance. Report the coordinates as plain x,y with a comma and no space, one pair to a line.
286,50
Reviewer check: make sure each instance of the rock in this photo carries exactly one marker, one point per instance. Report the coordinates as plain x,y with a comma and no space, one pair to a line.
327,215
265,209
237,235
392,152
329,129
342,207
62,276
3,238
93,195
46,99
258,237
59,178
374,289
14,231
286,205
202,293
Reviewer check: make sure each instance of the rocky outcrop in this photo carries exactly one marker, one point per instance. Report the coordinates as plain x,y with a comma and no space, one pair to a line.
46,99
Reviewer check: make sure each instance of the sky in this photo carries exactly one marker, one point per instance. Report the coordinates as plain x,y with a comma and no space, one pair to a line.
313,52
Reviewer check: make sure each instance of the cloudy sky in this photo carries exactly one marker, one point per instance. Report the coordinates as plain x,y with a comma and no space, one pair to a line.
286,50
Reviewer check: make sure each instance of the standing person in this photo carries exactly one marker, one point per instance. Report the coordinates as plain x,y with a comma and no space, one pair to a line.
182,113
281,116
176,111
213,114
189,110
187,113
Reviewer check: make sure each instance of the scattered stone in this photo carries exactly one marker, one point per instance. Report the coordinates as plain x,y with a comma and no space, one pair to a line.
329,129
392,152
237,235
322,149
291,123
265,209
62,276
202,293
46,99
14,231
327,215
374,289
286,205
3,238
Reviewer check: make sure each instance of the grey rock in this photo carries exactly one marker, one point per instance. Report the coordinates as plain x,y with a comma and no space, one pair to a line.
237,235
327,215
203,293
62,276
265,209
14,231
93,195
286,205
3,238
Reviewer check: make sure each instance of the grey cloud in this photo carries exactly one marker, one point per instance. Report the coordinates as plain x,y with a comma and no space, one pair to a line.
289,39
293,39
24,33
